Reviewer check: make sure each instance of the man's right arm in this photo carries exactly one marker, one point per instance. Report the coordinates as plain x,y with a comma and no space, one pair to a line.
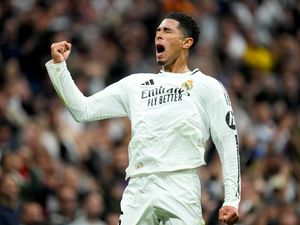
108,103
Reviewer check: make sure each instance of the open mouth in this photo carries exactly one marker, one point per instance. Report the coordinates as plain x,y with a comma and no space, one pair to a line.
160,48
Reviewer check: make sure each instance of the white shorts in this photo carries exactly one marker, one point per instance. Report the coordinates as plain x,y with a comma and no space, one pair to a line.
171,198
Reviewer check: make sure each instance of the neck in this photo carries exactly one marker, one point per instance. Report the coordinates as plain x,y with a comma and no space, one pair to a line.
179,65
175,69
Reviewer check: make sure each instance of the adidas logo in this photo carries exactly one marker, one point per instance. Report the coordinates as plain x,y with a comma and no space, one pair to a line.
149,82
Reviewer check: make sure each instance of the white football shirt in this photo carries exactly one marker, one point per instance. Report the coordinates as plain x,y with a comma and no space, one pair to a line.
172,116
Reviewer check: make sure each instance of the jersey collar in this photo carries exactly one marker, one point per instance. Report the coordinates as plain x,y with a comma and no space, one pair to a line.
162,72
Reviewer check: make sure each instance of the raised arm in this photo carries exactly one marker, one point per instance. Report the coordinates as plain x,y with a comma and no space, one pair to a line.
224,136
108,103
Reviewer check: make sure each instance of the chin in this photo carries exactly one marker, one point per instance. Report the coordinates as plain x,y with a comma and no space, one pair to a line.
161,63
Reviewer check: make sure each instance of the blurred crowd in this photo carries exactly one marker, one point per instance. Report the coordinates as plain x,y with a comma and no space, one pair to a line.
55,171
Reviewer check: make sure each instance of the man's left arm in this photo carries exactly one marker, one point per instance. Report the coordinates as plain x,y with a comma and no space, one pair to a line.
224,135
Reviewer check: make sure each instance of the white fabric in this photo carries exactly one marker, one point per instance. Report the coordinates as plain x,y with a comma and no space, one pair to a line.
172,116
162,198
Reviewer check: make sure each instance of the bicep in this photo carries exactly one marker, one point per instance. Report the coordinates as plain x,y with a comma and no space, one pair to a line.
108,103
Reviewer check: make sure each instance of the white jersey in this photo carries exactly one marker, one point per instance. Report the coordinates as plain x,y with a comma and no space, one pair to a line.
172,116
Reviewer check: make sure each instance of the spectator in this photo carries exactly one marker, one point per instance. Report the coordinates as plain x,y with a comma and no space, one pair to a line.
93,208
31,213
8,200
67,206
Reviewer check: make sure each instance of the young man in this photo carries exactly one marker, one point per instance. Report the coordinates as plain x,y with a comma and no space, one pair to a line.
172,115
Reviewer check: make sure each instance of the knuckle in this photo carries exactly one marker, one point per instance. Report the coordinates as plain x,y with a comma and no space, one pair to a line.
54,45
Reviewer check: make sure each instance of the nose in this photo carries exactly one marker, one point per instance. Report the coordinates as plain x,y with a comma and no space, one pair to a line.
158,35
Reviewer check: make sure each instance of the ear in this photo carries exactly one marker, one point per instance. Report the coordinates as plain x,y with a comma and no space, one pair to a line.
187,42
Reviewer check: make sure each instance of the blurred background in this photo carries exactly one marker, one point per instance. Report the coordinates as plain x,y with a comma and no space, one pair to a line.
56,171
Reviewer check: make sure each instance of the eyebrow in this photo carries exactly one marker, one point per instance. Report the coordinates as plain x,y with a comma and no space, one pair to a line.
164,28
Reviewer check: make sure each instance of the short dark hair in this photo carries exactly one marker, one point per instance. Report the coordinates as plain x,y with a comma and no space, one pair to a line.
188,25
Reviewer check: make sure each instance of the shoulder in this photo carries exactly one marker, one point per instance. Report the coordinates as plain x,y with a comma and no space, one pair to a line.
134,80
210,89
207,82
136,77
79,221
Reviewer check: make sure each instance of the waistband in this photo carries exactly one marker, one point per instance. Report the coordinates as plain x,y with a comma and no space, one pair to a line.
168,173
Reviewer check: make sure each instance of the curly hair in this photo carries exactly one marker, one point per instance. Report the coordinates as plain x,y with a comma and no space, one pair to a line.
188,25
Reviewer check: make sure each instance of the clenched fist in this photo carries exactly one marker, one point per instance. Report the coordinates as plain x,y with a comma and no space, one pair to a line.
60,51
228,215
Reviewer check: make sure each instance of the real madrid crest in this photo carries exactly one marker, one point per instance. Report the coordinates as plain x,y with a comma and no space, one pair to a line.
187,86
